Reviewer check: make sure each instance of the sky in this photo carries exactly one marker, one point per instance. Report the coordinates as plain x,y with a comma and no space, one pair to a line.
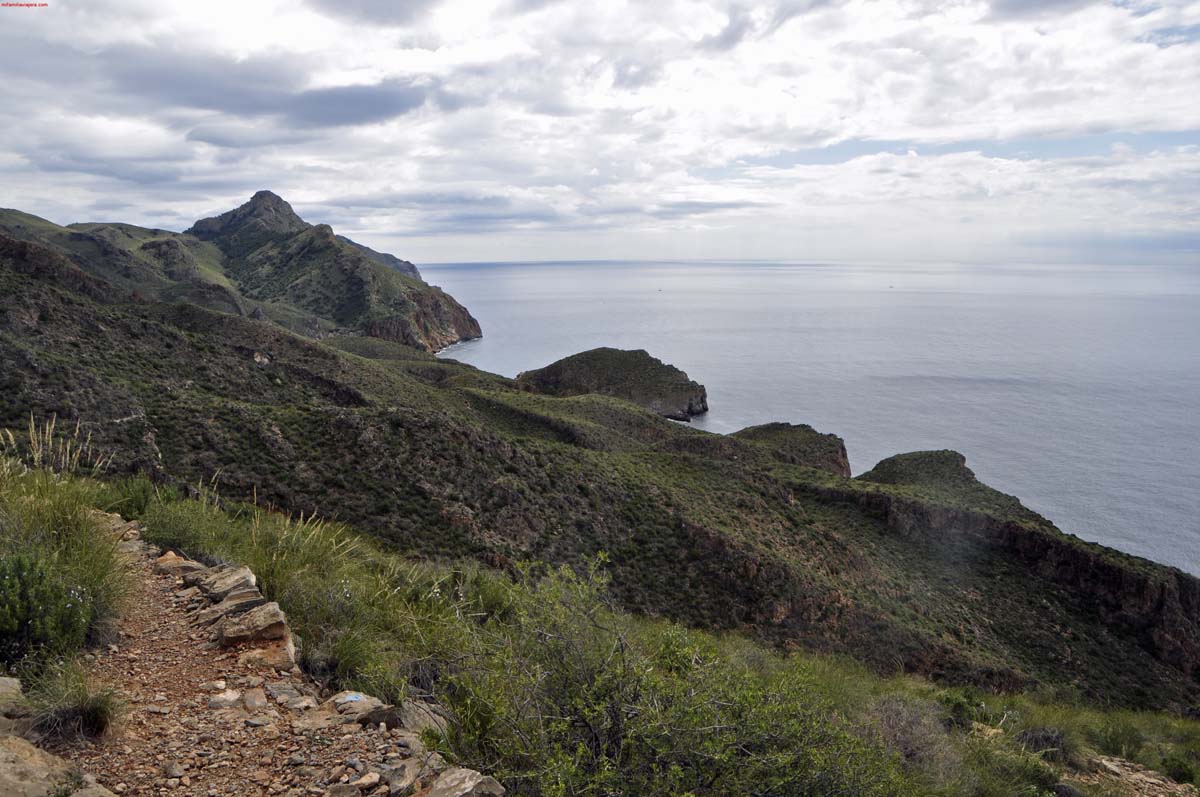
492,130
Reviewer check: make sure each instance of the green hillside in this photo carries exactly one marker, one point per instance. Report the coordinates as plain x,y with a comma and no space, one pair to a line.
933,574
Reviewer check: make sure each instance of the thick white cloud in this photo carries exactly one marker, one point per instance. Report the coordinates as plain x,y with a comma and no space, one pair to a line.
516,129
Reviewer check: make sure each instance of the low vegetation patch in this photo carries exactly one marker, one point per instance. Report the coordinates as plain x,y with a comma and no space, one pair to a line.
62,582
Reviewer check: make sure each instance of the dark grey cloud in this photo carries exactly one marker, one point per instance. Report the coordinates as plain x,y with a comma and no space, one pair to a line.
524,6
379,12
259,87
353,105
440,212
437,200
201,80
148,171
148,79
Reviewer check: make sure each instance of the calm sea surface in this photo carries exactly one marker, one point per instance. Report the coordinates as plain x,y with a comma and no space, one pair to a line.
1075,388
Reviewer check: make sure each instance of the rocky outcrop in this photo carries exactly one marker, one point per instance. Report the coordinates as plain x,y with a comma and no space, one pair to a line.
799,444
275,256
438,322
177,260
631,375
265,218
26,771
1110,775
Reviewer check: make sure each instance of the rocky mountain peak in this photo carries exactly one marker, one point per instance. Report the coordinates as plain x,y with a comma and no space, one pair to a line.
266,214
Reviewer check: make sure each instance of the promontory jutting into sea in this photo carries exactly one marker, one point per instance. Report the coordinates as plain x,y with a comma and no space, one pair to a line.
1074,387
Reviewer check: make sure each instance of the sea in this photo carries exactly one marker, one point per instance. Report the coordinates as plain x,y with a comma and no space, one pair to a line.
1075,388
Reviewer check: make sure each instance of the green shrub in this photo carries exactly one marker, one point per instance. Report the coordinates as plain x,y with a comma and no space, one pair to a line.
1181,766
1119,736
52,519
129,496
66,703
565,698
915,728
39,613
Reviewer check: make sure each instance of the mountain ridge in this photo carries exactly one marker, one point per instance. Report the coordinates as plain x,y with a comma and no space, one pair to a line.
262,259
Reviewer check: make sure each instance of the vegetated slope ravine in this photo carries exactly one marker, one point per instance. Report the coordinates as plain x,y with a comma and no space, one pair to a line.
921,569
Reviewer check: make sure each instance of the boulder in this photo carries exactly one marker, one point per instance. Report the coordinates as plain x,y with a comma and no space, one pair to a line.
26,771
230,698
235,603
13,711
342,790
459,782
352,705
412,715
260,624
278,655
173,564
217,582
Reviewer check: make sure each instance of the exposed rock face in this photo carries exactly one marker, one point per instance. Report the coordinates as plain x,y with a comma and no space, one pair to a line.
177,260
631,375
277,257
458,782
799,445
1158,606
13,717
1109,775
240,231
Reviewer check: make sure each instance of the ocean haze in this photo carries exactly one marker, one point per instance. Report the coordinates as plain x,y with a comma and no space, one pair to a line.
1075,388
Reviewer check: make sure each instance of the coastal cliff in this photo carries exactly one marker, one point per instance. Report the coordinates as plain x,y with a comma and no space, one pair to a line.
631,375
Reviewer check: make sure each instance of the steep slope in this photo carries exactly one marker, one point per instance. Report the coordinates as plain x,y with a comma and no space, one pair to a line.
918,567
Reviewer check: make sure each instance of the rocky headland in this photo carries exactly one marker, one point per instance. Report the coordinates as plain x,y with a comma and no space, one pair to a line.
634,375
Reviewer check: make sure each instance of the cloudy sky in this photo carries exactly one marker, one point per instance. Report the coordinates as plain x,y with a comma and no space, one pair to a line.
1026,130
